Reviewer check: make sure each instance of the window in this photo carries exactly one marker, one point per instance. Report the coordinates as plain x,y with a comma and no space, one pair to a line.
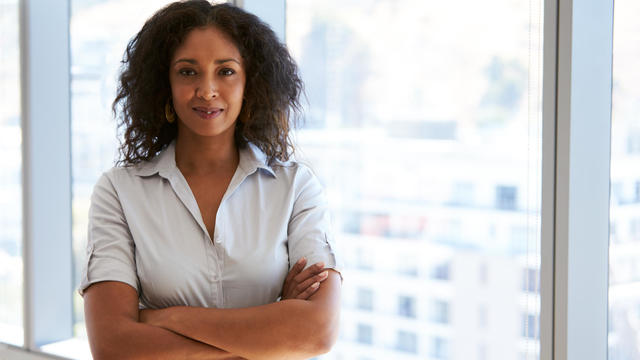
462,194
506,197
496,114
439,312
407,341
483,273
424,132
441,272
617,192
100,31
365,299
633,142
634,229
482,316
624,274
530,280
365,334
407,306
407,268
613,232
11,278
364,258
482,352
530,326
439,348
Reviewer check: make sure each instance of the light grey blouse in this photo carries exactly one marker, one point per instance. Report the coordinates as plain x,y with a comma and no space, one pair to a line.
146,230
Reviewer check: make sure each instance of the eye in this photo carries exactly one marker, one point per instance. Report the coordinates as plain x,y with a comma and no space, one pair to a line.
186,72
227,72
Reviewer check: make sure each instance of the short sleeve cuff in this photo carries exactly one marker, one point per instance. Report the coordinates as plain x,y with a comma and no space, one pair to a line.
97,270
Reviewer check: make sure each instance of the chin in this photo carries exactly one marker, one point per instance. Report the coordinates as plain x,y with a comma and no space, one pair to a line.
212,132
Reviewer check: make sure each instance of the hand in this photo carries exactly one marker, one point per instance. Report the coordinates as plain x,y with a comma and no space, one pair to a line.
301,284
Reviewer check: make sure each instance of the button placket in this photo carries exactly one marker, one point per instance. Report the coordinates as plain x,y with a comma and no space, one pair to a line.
217,238
211,268
213,254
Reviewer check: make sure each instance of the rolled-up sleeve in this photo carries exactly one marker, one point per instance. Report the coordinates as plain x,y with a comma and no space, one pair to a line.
110,246
309,232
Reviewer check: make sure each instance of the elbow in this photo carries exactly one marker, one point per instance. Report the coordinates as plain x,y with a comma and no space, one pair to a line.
112,351
100,350
325,343
106,354
323,347
326,334
112,355
103,354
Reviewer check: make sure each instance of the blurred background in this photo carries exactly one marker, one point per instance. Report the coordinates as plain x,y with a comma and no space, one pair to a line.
425,132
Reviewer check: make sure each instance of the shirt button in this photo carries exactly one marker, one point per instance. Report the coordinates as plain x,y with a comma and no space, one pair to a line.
217,238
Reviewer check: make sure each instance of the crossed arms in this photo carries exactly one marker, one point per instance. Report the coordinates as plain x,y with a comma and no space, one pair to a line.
303,325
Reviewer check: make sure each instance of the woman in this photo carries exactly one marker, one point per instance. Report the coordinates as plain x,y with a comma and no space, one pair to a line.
208,222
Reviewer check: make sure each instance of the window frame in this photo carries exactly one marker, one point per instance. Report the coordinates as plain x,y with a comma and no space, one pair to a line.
576,100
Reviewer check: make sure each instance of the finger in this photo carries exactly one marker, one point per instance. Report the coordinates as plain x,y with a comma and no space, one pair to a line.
295,270
309,291
309,272
310,281
288,282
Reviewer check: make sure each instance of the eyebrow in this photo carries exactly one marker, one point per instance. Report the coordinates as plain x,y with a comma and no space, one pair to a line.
217,62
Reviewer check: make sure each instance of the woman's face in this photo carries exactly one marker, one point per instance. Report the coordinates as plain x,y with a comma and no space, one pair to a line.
207,83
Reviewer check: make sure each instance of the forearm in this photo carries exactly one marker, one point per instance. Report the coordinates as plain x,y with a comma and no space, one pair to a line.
127,339
284,330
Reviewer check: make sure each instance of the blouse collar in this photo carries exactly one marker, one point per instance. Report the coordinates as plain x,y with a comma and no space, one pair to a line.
251,159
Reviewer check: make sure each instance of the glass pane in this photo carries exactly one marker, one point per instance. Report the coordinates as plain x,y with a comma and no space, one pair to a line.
100,31
424,124
624,241
11,329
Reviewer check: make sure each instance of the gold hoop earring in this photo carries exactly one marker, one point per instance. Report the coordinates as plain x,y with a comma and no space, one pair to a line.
168,113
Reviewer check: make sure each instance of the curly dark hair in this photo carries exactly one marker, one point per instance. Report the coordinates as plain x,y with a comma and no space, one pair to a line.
272,89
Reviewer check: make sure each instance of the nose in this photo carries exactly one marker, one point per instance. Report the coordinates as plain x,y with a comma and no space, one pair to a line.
207,90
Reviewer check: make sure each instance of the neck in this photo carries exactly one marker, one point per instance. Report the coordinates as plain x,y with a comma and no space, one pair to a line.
206,156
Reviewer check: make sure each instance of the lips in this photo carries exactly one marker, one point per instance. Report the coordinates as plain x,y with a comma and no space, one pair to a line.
208,112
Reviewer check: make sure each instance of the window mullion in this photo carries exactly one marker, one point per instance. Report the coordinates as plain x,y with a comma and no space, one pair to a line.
549,93
46,177
583,113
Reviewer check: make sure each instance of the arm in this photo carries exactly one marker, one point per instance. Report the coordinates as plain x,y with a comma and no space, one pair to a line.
289,329
111,314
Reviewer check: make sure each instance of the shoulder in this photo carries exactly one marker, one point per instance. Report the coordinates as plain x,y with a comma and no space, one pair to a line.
119,178
301,179
296,173
119,174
